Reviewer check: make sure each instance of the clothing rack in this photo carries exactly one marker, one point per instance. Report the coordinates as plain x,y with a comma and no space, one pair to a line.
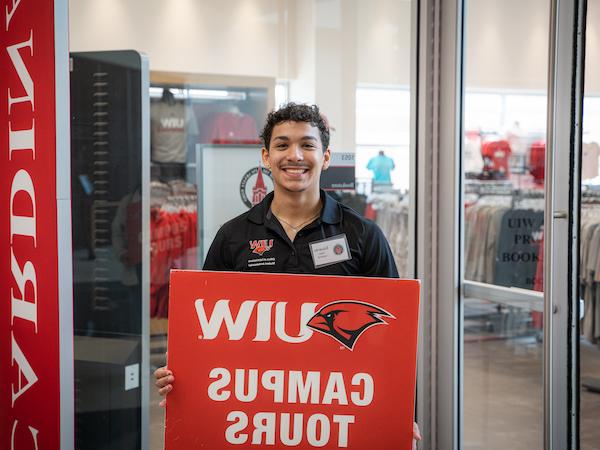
490,230
182,201
507,190
503,189
173,240
590,196
391,215
489,187
588,277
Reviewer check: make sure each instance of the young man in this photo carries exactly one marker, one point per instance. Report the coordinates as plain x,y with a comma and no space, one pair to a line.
296,216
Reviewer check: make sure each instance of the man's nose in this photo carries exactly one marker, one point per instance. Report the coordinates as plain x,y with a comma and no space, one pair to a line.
295,153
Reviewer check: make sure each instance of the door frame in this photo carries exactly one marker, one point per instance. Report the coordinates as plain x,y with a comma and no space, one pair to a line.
439,258
561,223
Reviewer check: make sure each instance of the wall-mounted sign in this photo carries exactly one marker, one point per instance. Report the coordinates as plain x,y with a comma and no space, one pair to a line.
230,180
253,186
341,174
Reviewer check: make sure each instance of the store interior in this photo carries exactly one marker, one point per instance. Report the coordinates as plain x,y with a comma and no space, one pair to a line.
216,70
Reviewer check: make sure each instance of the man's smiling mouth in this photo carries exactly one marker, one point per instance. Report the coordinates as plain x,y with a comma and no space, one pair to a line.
295,170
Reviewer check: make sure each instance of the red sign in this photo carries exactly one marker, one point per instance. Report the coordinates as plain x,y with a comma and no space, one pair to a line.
29,263
271,361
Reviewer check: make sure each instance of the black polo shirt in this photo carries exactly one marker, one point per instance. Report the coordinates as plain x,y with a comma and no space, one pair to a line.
256,242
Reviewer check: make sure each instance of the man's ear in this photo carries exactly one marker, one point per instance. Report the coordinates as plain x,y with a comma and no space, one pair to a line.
265,158
326,158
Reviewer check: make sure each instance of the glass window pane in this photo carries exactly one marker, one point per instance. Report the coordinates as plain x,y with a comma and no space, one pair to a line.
106,114
503,181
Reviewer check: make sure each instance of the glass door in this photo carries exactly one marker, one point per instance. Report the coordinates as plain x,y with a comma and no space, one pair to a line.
521,104
503,161
506,239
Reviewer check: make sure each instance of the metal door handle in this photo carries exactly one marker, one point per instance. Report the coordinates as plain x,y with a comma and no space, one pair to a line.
560,215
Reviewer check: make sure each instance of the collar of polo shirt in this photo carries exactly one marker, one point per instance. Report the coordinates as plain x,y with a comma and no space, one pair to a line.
329,214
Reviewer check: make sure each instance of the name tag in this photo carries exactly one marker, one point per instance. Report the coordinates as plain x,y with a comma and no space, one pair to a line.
329,251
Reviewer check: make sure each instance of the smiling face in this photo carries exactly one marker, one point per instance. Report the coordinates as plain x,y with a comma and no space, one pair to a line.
296,157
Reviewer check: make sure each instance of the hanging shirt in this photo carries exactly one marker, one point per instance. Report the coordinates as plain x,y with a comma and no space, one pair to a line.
170,124
381,166
496,155
537,161
230,128
589,160
472,160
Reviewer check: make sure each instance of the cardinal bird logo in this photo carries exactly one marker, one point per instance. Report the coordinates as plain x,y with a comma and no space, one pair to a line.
346,320
260,246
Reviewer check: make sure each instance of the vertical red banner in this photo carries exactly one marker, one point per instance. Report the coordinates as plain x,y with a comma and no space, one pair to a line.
29,262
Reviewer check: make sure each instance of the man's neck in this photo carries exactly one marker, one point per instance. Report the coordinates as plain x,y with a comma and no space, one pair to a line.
295,206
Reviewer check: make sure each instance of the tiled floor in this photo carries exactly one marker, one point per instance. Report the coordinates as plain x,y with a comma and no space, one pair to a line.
503,395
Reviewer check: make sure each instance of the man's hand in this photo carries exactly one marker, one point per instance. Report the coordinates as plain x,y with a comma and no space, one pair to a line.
416,435
164,382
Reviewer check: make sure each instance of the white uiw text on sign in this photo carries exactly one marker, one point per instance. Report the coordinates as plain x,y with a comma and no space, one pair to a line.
282,386
236,328
21,109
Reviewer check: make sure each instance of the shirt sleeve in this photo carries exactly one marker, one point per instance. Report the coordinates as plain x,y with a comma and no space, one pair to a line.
218,257
378,260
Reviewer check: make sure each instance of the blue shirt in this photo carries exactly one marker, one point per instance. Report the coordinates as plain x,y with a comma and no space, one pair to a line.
381,166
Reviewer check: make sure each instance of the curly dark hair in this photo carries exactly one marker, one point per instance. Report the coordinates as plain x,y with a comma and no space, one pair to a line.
294,112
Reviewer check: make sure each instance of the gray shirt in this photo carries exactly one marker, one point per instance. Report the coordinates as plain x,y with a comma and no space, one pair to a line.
171,125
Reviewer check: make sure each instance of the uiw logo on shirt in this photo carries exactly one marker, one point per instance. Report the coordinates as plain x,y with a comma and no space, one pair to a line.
260,246
172,123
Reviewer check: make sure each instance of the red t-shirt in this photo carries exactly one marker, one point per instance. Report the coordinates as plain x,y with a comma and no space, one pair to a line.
227,127
537,161
496,155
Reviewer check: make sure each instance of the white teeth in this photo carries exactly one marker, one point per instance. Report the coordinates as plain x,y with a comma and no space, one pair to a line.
295,170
